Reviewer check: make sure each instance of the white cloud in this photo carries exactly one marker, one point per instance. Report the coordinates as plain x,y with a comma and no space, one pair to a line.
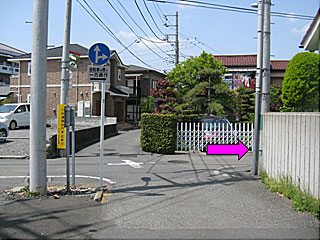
125,34
303,30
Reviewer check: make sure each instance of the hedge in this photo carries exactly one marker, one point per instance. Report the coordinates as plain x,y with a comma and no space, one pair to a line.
159,131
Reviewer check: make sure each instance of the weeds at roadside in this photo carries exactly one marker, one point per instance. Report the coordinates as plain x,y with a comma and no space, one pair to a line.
26,189
301,200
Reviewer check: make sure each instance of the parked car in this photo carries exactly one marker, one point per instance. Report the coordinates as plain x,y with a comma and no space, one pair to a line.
4,132
216,124
15,115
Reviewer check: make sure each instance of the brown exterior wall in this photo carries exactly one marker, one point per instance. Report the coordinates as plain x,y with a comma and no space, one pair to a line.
77,93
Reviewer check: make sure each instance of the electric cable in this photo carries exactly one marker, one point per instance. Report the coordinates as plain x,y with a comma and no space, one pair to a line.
235,9
132,29
108,30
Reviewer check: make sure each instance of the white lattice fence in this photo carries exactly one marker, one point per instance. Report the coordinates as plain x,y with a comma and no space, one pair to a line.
196,136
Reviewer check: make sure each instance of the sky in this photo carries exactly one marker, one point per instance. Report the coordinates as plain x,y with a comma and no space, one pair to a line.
214,31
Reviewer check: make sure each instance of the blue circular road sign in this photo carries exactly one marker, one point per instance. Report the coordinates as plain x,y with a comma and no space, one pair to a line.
99,54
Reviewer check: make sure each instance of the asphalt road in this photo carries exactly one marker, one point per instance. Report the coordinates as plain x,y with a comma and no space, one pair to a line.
153,196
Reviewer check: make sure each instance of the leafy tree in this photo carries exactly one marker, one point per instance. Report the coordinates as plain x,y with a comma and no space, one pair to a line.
147,104
300,89
165,97
245,104
222,101
191,72
275,98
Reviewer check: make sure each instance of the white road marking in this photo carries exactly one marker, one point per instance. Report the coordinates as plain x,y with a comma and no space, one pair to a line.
216,172
129,163
62,176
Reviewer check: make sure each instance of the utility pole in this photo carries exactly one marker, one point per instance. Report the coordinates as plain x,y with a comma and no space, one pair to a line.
177,40
176,34
38,164
65,60
265,101
65,55
209,96
256,143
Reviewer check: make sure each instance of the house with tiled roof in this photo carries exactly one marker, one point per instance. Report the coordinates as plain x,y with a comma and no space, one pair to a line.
85,95
242,70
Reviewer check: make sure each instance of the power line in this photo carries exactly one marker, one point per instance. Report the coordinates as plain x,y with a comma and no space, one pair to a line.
137,24
108,30
233,9
152,18
132,29
246,9
144,19
155,7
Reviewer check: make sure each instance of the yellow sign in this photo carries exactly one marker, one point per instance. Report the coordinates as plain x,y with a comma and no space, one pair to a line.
61,140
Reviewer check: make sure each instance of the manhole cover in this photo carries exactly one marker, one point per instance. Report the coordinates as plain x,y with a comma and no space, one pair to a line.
178,161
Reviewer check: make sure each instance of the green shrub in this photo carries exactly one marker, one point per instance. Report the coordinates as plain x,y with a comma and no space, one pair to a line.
159,131
300,88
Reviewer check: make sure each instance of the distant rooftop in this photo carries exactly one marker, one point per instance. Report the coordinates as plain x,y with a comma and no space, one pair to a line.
249,61
10,51
57,51
134,68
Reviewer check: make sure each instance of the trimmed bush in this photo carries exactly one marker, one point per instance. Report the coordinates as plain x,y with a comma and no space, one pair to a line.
159,131
300,88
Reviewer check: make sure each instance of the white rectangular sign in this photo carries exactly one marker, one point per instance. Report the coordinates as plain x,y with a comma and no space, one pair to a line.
99,74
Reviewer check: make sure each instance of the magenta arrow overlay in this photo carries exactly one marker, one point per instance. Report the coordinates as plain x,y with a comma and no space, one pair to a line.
232,149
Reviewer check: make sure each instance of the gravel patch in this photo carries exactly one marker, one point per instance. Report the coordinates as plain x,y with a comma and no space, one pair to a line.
20,147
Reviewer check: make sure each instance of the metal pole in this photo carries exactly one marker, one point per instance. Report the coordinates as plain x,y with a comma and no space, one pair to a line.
72,123
265,101
38,164
67,125
209,96
256,143
65,55
177,40
102,130
136,121
65,59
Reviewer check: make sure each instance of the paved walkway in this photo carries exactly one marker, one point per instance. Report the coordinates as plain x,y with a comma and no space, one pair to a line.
183,196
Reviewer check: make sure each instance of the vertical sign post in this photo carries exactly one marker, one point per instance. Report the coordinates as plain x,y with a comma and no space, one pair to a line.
99,54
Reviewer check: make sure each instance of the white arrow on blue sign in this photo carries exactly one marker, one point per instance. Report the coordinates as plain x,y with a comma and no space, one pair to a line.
99,54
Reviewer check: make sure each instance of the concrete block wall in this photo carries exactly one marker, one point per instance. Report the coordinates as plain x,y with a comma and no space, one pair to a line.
291,146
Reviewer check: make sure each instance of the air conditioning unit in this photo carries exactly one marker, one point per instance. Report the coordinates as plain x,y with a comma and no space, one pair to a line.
96,87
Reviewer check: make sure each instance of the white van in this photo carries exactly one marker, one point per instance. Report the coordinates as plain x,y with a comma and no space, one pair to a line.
15,115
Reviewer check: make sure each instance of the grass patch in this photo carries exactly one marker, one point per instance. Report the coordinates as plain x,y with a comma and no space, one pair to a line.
301,200
26,189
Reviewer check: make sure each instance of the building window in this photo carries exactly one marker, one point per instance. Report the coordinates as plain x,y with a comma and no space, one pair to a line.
130,85
29,68
154,83
119,75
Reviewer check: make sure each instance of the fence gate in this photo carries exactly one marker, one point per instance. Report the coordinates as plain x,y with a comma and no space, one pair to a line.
196,136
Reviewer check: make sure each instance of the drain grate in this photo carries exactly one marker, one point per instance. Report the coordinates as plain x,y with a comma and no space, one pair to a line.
178,161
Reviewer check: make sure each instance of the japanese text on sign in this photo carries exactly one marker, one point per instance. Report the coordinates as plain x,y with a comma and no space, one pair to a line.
98,74
61,141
